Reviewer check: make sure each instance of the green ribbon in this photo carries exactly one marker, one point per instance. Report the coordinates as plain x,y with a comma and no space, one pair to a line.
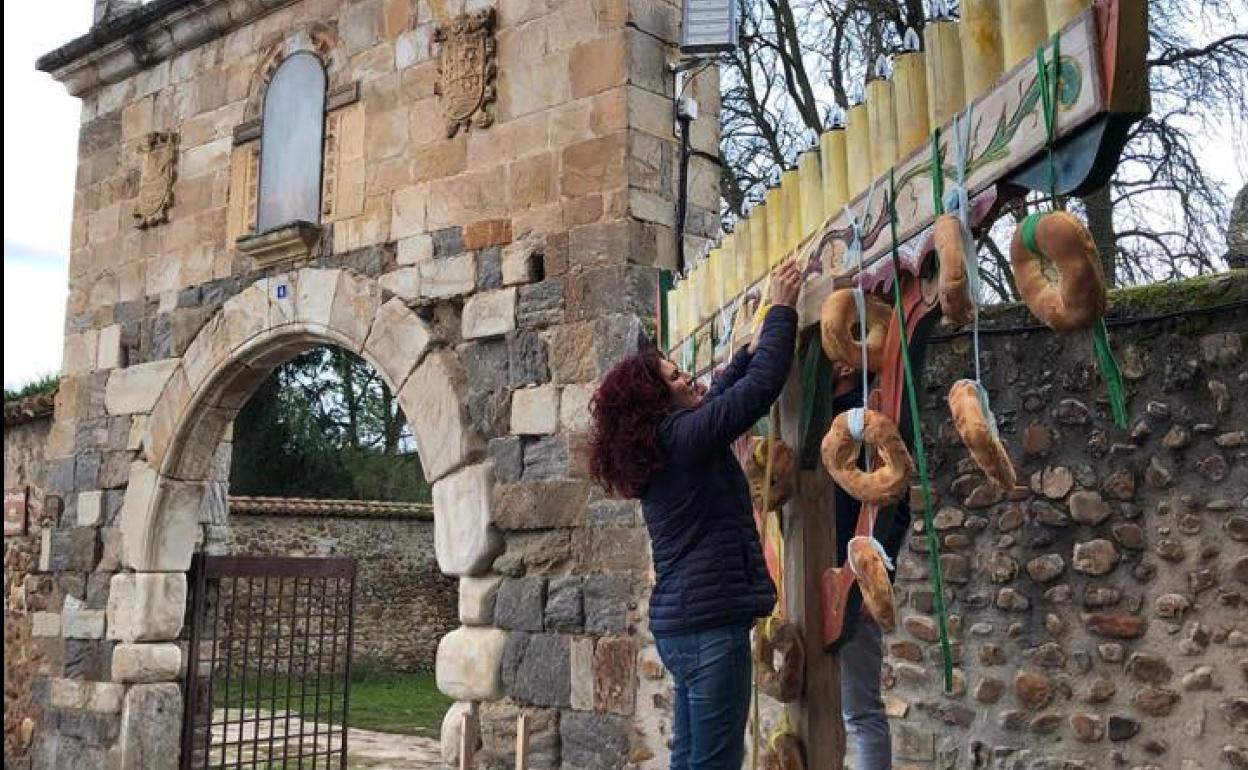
815,415
1111,373
1100,334
1029,231
920,456
938,176
1048,98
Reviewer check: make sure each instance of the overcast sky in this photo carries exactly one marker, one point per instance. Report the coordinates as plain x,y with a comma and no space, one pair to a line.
40,148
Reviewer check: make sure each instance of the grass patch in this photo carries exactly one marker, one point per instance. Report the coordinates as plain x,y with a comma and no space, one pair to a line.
410,704
386,702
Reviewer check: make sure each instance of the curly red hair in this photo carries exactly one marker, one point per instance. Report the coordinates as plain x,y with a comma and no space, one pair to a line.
627,408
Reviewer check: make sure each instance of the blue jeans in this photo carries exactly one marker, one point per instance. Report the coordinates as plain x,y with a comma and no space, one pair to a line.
866,723
712,673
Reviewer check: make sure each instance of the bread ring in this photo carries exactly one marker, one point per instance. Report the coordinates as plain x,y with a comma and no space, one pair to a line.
891,477
782,636
954,289
784,752
783,470
1074,298
838,319
972,425
873,581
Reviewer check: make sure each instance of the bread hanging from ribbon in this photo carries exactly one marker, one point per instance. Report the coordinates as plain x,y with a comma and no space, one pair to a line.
890,479
1058,271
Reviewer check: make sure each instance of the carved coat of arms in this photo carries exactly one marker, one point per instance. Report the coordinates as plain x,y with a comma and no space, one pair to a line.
467,70
160,160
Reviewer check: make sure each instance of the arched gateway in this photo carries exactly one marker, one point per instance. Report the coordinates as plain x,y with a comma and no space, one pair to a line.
485,224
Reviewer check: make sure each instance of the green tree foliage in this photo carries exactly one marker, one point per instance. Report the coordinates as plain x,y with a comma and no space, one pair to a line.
325,425
46,384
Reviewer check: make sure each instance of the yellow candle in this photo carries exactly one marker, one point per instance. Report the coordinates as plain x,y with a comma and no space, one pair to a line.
1059,13
741,254
980,29
835,174
790,183
882,119
758,242
1023,28
910,98
707,281
692,305
810,176
945,93
858,150
676,312
775,226
715,264
728,256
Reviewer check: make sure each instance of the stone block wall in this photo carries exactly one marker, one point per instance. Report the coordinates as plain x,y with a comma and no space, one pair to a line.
403,603
26,592
1099,611
491,276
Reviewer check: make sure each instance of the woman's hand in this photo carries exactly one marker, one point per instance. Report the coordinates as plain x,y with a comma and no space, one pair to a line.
786,282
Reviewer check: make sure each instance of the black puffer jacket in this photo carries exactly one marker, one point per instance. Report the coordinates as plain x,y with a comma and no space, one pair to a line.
707,557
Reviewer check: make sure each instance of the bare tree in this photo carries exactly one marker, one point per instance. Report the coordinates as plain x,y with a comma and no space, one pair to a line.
1163,214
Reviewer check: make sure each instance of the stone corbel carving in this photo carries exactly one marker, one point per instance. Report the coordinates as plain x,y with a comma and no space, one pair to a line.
467,70
160,164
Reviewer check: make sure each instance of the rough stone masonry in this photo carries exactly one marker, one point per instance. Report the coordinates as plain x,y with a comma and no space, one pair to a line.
1099,611
489,268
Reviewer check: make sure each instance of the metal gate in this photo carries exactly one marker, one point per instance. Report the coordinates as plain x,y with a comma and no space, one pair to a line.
269,665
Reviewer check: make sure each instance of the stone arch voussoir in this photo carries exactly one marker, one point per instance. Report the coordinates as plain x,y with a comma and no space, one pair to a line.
254,332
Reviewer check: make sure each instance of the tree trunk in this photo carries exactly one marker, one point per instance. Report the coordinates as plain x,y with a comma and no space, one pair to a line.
393,421
347,372
1101,224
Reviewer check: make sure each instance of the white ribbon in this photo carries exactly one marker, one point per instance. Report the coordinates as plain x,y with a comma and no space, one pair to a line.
879,548
957,199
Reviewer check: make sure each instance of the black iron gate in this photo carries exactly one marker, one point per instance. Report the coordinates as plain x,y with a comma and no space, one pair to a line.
269,665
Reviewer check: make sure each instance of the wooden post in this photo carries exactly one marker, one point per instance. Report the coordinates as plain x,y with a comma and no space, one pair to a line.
522,742
810,547
467,740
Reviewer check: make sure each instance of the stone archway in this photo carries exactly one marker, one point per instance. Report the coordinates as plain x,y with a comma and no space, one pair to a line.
191,402
255,331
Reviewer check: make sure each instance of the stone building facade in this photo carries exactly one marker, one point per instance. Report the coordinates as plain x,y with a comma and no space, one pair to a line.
493,201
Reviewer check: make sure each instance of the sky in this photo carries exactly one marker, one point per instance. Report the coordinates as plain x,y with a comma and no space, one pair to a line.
40,148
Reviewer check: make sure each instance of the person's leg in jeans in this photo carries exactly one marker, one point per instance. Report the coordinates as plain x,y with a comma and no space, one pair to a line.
866,724
678,654
712,674
719,699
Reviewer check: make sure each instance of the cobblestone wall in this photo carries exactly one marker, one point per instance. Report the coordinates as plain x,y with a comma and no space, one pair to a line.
1098,610
403,603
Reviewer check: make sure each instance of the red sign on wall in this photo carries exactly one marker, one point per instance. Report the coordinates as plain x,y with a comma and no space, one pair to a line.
16,510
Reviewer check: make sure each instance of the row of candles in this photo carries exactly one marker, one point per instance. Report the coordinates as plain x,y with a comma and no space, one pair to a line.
957,62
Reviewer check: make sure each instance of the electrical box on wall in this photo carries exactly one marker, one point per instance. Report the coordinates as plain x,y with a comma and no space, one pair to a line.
708,26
